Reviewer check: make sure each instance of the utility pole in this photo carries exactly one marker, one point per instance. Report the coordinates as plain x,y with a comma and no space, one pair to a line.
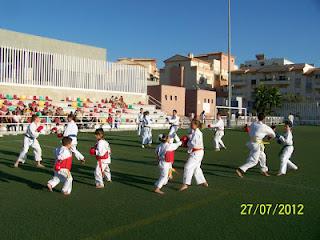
229,63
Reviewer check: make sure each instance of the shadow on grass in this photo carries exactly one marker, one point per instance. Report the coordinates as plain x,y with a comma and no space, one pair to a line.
7,177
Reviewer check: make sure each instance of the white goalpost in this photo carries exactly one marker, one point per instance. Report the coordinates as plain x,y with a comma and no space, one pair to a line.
239,120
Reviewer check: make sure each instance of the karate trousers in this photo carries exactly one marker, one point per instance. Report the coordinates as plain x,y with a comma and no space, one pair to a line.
192,168
164,168
34,144
64,176
285,162
102,171
218,139
256,156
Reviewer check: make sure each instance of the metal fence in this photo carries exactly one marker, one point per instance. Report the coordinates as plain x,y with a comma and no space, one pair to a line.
85,124
28,67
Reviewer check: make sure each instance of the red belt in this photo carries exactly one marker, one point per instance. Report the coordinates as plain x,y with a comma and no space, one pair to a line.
196,149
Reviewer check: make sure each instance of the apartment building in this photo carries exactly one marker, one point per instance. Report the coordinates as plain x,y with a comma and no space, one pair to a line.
150,64
298,79
206,71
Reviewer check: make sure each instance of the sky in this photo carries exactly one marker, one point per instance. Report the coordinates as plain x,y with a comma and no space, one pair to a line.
161,28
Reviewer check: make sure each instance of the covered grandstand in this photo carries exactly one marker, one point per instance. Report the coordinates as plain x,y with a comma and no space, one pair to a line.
41,75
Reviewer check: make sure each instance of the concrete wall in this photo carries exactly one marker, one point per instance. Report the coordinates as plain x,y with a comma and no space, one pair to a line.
171,98
199,100
43,44
62,93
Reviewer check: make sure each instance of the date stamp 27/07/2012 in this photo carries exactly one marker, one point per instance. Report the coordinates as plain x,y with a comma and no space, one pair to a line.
271,209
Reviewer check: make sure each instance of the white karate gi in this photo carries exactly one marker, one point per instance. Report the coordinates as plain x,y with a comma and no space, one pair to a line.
286,152
30,140
193,164
219,126
72,132
64,174
164,166
291,118
258,131
103,150
139,121
146,130
174,121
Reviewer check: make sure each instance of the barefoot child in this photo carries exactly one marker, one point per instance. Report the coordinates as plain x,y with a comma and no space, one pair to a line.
287,141
71,131
165,155
30,140
196,152
258,131
62,167
102,152
219,127
174,122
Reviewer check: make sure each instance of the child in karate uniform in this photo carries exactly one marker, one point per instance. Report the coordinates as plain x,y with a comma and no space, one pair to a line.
102,152
174,122
146,129
30,140
287,141
71,131
219,127
139,121
192,168
165,155
258,131
62,167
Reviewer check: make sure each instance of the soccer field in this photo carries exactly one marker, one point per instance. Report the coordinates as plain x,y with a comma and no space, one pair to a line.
128,209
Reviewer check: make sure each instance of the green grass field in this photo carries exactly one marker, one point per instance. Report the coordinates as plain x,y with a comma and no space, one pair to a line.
127,208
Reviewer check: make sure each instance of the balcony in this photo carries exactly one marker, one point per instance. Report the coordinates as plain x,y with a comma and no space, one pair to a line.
316,85
237,82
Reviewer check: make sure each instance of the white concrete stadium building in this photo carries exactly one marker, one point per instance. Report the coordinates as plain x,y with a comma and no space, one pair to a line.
33,65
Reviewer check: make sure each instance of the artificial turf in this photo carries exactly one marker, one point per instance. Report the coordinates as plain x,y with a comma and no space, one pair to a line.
127,209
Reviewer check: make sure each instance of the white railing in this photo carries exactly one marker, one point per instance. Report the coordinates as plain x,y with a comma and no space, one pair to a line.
28,67
154,101
85,124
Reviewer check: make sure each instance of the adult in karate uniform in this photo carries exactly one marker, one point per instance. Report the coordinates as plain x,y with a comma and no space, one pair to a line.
258,131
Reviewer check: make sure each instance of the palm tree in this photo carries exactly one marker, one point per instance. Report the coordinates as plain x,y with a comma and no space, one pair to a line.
267,99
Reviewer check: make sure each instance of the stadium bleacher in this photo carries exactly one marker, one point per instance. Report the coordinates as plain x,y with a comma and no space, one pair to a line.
16,110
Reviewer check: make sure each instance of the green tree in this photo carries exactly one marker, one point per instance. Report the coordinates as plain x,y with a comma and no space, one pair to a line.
266,99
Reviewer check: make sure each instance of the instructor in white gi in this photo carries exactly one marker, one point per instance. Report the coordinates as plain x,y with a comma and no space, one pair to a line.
258,131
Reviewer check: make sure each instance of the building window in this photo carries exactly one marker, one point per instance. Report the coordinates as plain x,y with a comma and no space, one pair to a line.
297,83
208,100
317,76
282,78
171,97
309,86
176,98
166,97
212,101
205,100
253,82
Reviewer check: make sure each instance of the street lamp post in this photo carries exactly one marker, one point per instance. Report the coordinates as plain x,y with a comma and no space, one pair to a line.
229,63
